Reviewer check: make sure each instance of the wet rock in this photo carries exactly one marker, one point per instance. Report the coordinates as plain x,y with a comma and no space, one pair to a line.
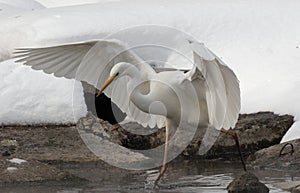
296,189
247,182
8,147
270,158
97,134
292,186
255,131
129,135
29,171
135,136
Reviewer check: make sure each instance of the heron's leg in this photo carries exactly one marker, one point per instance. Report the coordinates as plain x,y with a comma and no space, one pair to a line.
115,127
236,139
164,164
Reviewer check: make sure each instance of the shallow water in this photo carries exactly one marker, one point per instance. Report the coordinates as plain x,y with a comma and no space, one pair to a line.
182,176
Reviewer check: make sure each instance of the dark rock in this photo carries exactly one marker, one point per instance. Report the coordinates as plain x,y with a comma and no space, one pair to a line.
270,157
129,136
296,189
255,131
102,139
247,182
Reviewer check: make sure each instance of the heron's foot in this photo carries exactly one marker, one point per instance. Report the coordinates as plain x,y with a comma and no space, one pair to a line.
161,173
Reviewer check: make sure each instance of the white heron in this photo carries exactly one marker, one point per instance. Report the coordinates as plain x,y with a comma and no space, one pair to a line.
135,85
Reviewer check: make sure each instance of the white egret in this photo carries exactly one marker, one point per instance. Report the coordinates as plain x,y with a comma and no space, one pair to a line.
135,85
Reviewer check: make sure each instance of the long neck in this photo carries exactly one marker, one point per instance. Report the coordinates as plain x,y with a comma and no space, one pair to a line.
155,98
135,77
133,72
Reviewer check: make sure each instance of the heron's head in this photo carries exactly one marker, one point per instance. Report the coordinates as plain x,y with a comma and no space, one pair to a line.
117,71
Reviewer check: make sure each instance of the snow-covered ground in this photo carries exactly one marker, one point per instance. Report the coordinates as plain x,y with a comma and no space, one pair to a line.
61,3
31,97
14,7
258,39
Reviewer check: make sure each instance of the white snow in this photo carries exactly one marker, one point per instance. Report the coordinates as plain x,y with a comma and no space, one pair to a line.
23,4
61,3
11,169
32,97
17,161
14,7
258,39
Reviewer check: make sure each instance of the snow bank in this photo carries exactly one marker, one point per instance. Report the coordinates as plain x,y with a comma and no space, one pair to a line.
14,7
22,4
32,97
258,39
61,3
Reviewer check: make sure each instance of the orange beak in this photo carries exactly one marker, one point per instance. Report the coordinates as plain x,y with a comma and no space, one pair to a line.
106,84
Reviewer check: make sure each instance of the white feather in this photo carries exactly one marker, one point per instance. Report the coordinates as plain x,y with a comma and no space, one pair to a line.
92,62
223,92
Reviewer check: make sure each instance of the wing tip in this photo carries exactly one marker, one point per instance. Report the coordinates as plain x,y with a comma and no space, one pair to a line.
201,50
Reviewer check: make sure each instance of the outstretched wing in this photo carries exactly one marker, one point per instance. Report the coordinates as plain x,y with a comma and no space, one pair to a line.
62,61
92,62
222,93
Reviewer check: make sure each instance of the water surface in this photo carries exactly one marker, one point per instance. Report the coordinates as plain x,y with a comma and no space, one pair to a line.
182,176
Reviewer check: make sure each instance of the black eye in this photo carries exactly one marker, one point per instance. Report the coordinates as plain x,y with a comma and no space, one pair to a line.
117,73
